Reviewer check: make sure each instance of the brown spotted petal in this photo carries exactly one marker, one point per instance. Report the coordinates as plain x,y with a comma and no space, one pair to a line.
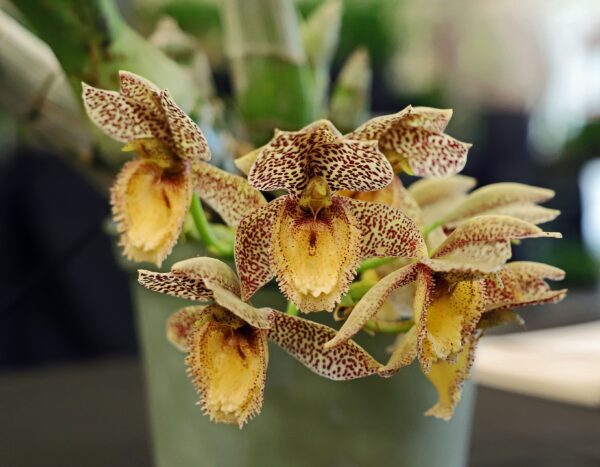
482,244
386,231
393,195
182,323
449,320
414,141
142,111
120,117
188,139
140,90
511,199
187,279
229,195
448,376
228,366
315,257
304,340
437,196
149,207
292,158
256,317
523,283
404,353
253,243
371,302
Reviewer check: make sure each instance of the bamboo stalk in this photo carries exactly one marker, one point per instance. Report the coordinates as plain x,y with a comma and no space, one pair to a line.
271,77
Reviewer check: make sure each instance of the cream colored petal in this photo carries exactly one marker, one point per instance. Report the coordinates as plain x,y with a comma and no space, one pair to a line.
386,231
438,196
120,117
490,198
304,340
482,244
149,207
245,163
182,323
228,367
449,320
393,195
404,353
189,141
448,377
253,244
187,279
430,118
291,159
229,195
371,302
209,269
523,283
256,317
315,258
376,127
527,212
141,90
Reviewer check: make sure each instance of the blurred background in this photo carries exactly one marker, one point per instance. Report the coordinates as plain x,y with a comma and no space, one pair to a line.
523,78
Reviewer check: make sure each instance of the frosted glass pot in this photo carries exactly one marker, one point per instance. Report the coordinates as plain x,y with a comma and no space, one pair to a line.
305,421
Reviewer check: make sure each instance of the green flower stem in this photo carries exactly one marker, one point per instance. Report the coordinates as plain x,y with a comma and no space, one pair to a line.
205,231
291,309
373,263
388,327
431,228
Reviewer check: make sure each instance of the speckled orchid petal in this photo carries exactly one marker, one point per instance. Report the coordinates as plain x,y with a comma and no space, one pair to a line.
245,162
513,199
304,340
149,207
523,283
438,196
292,158
448,377
187,279
386,231
482,244
371,302
140,90
253,243
229,195
228,366
256,317
209,269
120,117
429,118
393,195
315,257
414,141
188,139
404,353
449,320
182,323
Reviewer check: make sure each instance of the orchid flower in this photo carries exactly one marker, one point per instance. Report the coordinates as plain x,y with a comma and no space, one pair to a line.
451,295
510,199
518,284
414,141
312,239
152,193
226,340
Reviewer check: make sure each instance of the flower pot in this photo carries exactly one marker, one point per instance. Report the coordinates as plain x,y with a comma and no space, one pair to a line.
305,420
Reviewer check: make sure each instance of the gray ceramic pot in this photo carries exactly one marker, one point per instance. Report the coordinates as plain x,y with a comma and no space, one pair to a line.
305,420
